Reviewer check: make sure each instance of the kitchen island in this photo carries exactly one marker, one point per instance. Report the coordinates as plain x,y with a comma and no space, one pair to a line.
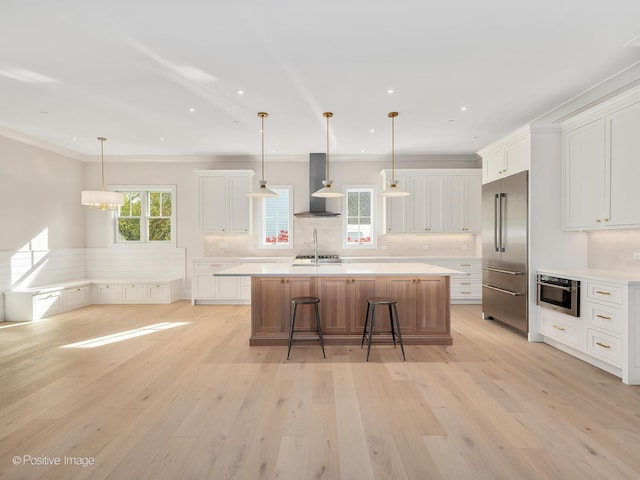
421,290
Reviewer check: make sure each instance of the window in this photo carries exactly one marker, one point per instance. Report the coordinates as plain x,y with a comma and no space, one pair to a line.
359,228
277,220
147,216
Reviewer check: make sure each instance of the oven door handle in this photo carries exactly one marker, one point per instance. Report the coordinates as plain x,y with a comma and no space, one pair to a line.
502,290
559,287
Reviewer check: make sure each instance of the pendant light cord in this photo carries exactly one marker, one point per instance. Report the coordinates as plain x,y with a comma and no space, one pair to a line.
102,140
327,115
262,144
393,116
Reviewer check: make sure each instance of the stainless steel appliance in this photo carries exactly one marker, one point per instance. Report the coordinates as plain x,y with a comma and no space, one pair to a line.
311,259
561,294
504,251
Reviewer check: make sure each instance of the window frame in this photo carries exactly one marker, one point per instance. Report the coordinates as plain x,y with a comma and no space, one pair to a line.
262,227
373,190
145,190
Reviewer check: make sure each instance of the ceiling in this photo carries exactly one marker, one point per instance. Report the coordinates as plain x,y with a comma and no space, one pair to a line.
132,70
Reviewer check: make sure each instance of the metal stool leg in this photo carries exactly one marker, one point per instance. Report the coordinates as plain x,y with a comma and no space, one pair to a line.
291,326
393,332
373,316
315,307
395,311
366,321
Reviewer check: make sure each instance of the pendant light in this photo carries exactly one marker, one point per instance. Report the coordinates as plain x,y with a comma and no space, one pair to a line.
102,199
392,190
327,191
261,190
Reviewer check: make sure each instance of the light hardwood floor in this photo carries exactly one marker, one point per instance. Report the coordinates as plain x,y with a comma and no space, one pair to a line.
195,401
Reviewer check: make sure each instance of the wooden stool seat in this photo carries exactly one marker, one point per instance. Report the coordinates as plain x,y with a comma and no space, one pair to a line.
305,301
391,303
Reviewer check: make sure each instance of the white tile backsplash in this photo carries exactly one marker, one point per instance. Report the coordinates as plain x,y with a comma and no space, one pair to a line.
613,250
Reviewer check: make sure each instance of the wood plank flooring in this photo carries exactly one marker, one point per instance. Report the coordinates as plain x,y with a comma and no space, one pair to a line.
196,402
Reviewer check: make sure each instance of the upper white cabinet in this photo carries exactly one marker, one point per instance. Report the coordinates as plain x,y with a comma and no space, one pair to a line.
601,167
224,206
426,203
441,200
464,192
507,156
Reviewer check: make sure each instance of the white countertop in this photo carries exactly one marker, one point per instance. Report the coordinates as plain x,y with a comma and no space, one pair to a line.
629,278
341,269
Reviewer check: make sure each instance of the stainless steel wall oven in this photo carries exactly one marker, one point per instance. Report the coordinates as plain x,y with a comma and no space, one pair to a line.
561,294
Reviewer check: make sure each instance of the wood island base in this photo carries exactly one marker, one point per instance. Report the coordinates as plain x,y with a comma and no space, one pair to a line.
423,308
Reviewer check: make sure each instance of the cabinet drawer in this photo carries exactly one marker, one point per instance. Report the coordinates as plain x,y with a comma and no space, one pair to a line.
134,293
563,328
470,268
604,293
211,267
159,293
76,297
47,304
468,292
605,347
605,317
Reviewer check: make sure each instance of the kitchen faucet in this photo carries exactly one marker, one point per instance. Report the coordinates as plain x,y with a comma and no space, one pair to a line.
315,246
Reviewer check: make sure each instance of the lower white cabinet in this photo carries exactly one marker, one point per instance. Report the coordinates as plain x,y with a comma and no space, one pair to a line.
466,288
209,289
144,291
606,334
34,304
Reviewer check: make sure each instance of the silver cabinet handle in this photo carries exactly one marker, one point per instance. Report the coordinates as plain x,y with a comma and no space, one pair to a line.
503,271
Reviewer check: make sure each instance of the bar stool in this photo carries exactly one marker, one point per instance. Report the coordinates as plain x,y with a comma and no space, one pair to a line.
305,301
393,318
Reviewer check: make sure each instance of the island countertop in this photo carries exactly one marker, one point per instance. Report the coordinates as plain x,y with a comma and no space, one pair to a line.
333,270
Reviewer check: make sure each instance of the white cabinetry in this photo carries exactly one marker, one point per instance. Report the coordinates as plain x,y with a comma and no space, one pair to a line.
224,207
467,288
601,166
508,156
464,192
143,291
35,304
606,333
426,203
441,200
209,289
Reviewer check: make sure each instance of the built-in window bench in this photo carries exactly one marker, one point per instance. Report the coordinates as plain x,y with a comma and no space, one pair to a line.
34,303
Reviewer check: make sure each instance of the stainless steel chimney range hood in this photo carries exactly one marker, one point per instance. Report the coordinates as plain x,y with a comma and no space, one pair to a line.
317,205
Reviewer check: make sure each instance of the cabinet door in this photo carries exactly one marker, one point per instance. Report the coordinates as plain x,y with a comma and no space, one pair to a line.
337,313
108,293
427,203
362,289
403,289
586,175
516,157
464,194
213,204
396,209
134,293
239,204
159,293
431,312
47,304
205,285
493,165
226,287
269,305
623,129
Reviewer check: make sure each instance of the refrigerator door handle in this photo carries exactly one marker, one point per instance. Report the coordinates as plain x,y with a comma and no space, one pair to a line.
503,205
502,290
496,202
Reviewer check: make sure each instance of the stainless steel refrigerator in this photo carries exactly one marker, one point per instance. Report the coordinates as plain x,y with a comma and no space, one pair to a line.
504,251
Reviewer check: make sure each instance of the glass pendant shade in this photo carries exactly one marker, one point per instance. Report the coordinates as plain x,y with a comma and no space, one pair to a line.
392,189
327,191
102,199
261,191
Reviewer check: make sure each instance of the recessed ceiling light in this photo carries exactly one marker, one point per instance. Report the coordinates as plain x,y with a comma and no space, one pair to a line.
372,130
464,109
162,139
273,151
361,151
391,91
240,92
191,109
75,139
